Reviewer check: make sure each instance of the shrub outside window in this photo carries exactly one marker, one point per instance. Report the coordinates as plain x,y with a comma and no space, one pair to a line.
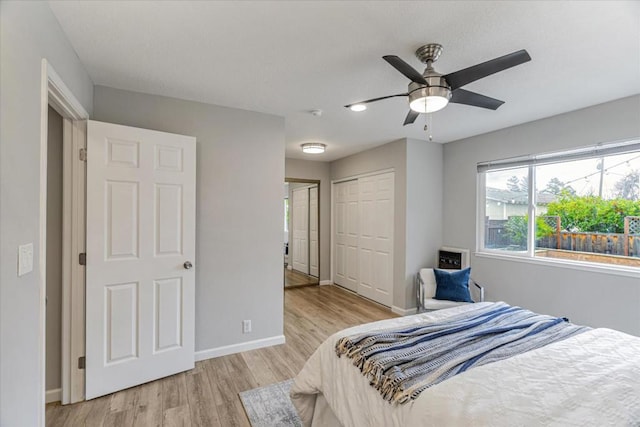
586,205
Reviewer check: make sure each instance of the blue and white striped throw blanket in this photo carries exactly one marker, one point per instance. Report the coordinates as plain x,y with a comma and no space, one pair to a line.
401,363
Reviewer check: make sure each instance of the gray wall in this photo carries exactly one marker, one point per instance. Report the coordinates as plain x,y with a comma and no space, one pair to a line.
28,33
239,214
306,169
54,252
592,298
424,210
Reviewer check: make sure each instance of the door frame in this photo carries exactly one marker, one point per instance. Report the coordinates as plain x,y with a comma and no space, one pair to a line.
54,92
310,182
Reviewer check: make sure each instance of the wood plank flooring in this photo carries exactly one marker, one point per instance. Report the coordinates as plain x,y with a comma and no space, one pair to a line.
295,278
208,395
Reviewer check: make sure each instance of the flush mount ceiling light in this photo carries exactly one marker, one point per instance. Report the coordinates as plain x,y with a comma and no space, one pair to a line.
313,147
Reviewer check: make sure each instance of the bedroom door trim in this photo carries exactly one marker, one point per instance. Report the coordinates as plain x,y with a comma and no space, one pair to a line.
55,92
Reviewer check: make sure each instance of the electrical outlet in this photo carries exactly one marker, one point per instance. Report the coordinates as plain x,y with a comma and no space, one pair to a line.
25,259
246,326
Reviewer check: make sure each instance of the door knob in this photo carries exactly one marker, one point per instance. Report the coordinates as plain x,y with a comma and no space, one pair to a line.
187,265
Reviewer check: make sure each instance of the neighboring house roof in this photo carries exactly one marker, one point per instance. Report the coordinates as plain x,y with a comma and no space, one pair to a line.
518,197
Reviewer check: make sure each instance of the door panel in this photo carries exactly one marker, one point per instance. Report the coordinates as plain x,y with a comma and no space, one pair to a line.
346,234
168,220
168,326
313,233
339,249
301,230
366,248
140,231
376,238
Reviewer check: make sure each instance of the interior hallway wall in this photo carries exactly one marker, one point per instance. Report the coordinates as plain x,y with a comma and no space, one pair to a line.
29,32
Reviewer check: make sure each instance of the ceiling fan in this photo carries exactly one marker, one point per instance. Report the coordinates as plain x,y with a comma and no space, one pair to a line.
431,91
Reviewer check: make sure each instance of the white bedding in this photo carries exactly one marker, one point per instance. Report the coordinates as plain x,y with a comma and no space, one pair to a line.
592,379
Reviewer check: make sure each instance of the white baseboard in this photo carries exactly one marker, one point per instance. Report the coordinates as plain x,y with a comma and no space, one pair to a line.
238,348
289,266
326,282
402,311
54,395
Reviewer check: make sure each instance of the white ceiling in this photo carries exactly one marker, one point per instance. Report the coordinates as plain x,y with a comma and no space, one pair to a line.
288,58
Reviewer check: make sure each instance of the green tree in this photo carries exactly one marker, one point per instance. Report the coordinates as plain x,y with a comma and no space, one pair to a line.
516,228
592,213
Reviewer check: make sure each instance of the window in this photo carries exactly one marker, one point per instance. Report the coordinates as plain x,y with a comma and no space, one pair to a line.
586,205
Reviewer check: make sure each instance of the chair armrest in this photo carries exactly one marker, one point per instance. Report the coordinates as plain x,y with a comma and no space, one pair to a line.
419,293
481,288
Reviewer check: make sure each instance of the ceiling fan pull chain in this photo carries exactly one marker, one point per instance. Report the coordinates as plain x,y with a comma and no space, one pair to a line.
428,128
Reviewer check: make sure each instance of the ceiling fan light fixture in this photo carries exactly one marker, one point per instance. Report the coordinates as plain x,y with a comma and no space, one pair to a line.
313,147
358,107
429,99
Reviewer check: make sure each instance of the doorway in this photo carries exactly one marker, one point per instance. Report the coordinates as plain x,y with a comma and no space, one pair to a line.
53,300
302,232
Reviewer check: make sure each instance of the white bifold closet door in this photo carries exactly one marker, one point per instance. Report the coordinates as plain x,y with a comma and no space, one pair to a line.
300,243
375,246
363,236
313,232
140,284
346,234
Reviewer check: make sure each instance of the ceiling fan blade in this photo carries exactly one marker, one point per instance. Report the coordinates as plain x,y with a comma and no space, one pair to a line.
406,69
411,117
461,96
376,99
460,78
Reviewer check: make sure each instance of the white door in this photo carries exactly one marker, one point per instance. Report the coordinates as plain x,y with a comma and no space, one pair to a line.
313,232
300,219
346,234
339,236
140,236
375,280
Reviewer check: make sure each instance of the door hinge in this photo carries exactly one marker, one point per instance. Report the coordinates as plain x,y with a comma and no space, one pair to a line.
82,258
83,154
81,362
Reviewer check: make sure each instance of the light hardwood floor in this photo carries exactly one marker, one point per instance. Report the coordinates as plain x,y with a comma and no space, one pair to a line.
294,278
208,395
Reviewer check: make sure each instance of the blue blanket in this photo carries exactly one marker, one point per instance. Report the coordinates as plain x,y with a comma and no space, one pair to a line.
401,363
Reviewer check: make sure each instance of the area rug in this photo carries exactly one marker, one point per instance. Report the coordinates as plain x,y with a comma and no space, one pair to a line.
270,406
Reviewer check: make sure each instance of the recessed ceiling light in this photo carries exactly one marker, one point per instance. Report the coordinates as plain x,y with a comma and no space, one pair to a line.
313,147
358,107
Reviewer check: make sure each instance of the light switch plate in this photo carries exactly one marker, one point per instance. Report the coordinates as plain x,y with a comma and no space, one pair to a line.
25,259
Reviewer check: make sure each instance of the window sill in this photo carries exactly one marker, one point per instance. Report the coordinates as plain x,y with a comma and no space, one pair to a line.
561,263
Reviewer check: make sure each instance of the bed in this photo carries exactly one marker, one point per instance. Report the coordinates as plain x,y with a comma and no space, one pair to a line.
588,379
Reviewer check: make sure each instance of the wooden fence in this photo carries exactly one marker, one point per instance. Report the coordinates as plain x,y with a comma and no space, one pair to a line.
624,244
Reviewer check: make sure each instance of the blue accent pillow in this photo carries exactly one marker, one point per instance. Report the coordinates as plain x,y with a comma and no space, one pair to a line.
453,285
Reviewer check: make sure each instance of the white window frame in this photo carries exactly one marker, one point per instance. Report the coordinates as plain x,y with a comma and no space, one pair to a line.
532,161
